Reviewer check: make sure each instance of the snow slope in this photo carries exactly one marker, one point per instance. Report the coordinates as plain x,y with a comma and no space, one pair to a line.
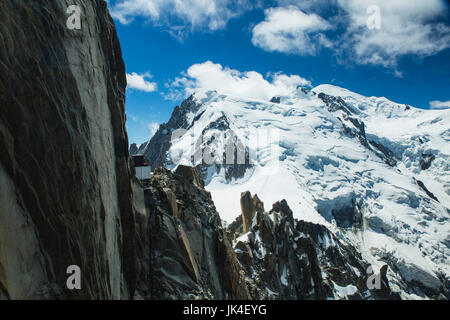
374,171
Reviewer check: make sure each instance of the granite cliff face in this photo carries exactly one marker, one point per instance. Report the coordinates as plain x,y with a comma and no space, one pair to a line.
189,253
66,187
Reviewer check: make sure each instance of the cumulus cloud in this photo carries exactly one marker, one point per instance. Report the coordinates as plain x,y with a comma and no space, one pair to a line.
132,117
248,84
181,14
153,126
291,30
406,29
141,82
439,105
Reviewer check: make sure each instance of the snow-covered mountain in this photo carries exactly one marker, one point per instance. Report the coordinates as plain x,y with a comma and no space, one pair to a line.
374,172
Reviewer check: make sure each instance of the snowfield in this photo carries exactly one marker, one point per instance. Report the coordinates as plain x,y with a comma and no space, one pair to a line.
373,171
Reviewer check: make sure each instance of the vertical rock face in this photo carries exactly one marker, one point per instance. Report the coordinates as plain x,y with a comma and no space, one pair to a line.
66,193
247,210
190,255
249,207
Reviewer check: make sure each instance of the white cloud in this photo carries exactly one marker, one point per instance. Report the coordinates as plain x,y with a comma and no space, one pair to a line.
249,84
194,14
153,126
439,105
398,74
406,29
290,30
141,82
132,117
307,5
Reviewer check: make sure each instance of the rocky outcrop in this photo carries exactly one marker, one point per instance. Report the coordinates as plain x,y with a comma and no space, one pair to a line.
356,128
276,100
335,104
249,207
288,259
134,149
425,189
189,253
66,187
426,160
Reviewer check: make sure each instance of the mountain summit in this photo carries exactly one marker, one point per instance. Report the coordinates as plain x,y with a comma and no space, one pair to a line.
372,171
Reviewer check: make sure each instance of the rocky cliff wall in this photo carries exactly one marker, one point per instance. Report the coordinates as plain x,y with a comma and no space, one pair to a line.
66,193
189,253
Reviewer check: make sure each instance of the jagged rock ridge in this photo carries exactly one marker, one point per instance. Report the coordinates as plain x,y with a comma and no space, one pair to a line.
189,253
192,255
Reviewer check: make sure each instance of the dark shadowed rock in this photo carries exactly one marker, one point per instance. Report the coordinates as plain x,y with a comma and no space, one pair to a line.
65,177
428,192
190,254
247,210
249,207
275,100
190,174
426,160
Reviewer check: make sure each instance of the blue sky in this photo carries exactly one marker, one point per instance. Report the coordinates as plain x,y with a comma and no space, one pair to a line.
173,47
